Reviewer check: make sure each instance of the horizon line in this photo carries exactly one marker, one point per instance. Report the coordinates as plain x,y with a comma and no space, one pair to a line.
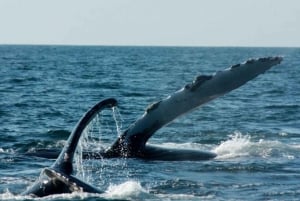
144,45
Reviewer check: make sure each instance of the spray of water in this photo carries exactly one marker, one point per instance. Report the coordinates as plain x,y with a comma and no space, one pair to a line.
97,136
118,120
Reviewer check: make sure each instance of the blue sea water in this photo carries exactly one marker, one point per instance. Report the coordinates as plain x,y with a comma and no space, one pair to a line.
255,130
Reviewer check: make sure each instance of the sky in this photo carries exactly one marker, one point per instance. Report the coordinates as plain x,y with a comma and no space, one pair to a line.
259,23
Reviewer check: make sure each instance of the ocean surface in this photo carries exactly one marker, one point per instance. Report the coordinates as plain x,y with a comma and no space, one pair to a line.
254,130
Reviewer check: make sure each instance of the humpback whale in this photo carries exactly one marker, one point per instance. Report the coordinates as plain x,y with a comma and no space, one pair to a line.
133,141
58,178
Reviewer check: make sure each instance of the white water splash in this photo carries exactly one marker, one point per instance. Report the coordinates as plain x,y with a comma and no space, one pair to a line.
7,196
239,145
127,190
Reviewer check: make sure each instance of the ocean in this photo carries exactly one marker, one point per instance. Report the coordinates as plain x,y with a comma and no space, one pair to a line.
254,130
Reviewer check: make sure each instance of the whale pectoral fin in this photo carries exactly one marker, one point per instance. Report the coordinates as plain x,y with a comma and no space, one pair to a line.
202,90
64,162
57,178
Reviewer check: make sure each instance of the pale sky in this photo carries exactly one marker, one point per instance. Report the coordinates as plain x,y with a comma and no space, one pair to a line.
151,22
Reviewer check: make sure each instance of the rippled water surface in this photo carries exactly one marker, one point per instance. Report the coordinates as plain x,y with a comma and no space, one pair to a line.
255,130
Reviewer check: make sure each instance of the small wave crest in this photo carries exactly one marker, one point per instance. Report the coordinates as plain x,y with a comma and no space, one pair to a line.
9,151
239,145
